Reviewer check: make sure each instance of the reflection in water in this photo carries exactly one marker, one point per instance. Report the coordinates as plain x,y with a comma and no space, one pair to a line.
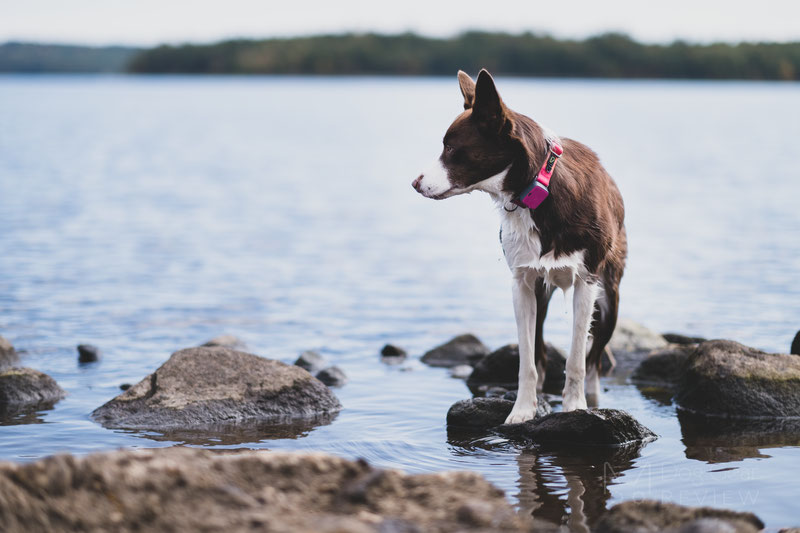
559,486
233,434
30,415
722,440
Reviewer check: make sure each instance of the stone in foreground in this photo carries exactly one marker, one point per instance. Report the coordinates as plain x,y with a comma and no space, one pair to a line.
584,427
465,349
646,516
8,356
486,413
205,386
725,378
25,388
189,490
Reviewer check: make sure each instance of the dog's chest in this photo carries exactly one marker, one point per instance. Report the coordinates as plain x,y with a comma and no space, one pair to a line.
523,250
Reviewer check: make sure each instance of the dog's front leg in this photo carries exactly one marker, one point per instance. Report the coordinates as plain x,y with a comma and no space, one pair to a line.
525,313
583,300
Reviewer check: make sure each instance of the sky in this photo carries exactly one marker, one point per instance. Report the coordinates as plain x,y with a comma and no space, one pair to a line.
150,22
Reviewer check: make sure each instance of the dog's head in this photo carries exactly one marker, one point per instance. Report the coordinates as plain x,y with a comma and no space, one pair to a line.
480,144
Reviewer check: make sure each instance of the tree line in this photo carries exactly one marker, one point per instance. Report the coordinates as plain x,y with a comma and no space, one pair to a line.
604,56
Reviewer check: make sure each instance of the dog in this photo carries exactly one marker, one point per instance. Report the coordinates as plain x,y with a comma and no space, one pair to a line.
573,237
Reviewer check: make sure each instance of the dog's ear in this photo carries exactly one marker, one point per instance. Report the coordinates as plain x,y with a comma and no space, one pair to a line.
467,88
487,108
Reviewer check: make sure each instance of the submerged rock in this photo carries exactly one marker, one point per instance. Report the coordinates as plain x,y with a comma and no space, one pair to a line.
311,361
204,386
501,369
333,376
664,366
486,413
188,490
225,341
88,353
725,378
23,389
8,355
465,349
584,427
646,516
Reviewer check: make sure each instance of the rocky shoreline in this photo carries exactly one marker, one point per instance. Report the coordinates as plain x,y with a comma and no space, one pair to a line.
218,389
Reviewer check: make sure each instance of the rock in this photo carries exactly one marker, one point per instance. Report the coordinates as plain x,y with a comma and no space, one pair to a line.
496,392
629,343
8,356
584,427
460,371
226,341
125,386
204,386
465,349
646,516
88,353
677,338
185,490
390,350
795,348
486,413
311,361
333,376
725,378
501,369
663,366
510,395
23,389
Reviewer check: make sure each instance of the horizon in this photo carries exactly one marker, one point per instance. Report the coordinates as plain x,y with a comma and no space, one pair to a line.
149,23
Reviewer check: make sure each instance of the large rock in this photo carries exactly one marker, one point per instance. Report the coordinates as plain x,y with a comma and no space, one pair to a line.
486,413
501,369
649,516
725,378
583,427
465,349
205,386
186,490
629,344
8,356
664,366
24,389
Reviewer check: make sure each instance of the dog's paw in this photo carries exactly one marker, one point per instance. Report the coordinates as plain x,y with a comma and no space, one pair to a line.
519,416
574,402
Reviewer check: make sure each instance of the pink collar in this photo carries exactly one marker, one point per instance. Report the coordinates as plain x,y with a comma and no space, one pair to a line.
536,193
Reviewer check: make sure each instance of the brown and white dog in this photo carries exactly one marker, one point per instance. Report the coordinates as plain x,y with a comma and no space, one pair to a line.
574,239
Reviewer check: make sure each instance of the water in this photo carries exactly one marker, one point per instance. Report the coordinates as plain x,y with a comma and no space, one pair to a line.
144,215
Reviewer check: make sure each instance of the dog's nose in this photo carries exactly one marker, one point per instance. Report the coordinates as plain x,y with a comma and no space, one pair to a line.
417,183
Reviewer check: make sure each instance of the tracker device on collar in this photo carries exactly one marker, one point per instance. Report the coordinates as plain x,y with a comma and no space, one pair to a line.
536,193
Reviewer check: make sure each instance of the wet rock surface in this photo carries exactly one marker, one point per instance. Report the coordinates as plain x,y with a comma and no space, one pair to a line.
200,387
333,376
650,516
589,427
311,361
189,490
501,369
486,413
725,378
663,366
8,355
88,353
629,344
465,349
23,389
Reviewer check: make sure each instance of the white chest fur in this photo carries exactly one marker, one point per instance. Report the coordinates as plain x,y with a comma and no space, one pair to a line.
523,250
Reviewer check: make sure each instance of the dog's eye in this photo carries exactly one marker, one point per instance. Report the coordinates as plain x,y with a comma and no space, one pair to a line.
448,149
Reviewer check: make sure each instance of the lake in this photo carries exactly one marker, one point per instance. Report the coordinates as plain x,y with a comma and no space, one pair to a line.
149,214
